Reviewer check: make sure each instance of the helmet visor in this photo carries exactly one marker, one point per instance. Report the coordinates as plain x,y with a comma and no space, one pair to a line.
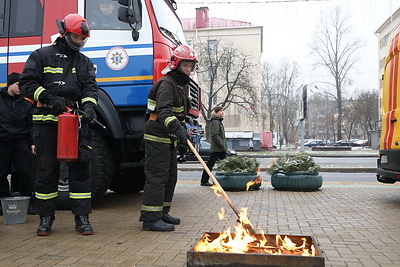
75,41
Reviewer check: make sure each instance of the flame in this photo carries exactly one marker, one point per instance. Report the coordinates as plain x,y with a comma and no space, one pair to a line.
216,190
272,163
241,241
258,180
221,214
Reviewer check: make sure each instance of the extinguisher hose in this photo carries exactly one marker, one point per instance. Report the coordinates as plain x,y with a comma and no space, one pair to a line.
83,113
91,118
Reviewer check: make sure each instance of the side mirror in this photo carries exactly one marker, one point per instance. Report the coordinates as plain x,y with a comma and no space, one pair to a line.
131,12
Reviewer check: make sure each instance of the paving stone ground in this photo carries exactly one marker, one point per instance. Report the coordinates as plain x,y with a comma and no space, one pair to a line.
354,224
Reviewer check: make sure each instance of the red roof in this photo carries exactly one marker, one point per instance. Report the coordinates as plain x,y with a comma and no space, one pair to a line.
190,23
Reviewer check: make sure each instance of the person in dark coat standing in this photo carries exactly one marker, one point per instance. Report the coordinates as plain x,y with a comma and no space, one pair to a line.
164,134
218,142
55,77
16,141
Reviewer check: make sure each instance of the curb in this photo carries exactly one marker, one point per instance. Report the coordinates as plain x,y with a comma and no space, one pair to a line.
324,169
312,155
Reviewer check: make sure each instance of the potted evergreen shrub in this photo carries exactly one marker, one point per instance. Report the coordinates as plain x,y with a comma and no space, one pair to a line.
297,172
235,172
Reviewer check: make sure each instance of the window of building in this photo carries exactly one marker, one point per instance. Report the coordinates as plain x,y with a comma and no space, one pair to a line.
384,41
189,42
382,62
214,100
212,47
212,73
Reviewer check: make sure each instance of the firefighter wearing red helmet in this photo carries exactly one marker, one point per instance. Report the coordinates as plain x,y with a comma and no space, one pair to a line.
164,134
55,77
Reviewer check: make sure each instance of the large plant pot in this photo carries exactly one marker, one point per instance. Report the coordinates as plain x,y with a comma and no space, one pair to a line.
237,181
296,181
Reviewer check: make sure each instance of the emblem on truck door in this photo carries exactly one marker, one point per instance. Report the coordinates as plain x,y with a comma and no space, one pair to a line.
117,58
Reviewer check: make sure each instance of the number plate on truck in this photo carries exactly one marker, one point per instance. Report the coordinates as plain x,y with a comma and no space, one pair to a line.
384,159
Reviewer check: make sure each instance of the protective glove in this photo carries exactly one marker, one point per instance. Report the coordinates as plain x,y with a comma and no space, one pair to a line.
182,148
84,153
179,131
89,114
57,104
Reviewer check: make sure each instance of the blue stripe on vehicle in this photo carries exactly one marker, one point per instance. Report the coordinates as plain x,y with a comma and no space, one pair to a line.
85,49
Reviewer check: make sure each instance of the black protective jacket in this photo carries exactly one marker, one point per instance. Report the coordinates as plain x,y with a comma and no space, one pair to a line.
168,98
15,117
59,71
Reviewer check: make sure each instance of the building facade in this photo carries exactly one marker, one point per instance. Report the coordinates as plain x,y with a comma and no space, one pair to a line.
241,35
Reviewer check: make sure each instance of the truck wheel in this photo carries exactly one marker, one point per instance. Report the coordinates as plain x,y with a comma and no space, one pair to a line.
101,172
128,181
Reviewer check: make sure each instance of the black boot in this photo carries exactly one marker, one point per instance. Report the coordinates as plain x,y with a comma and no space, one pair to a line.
45,225
82,225
169,219
158,225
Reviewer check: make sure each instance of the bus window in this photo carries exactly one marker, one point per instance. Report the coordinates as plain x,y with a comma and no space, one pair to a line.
2,16
26,18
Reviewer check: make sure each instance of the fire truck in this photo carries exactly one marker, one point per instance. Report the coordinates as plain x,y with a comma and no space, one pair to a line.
128,53
388,170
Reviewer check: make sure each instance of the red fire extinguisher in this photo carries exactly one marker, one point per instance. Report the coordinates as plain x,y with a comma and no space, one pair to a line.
67,138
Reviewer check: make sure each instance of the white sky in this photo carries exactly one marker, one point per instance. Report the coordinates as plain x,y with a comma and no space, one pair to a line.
289,28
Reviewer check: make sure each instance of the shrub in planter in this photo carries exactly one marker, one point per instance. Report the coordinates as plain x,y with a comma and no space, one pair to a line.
296,172
235,172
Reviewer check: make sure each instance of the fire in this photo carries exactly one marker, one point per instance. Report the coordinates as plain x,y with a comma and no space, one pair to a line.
256,181
241,241
244,240
216,190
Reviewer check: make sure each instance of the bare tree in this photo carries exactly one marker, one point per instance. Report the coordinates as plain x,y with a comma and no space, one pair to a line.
288,100
229,72
350,117
336,52
366,108
269,92
321,122
278,93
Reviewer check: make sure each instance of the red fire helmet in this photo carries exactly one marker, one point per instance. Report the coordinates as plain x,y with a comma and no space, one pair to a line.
75,23
182,52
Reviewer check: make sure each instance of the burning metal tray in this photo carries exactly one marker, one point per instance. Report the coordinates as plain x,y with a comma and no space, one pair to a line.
206,258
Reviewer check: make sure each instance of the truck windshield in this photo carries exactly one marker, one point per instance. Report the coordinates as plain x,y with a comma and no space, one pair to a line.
103,15
168,22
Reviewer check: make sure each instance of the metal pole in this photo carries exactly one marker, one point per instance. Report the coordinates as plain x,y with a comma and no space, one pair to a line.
301,135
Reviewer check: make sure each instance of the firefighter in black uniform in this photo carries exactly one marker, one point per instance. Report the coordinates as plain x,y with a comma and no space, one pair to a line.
164,132
55,77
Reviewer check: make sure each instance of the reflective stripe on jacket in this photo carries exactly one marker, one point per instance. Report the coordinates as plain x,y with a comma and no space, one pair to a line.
170,102
50,70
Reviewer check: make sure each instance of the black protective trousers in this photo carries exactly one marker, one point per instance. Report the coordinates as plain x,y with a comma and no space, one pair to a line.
17,152
161,177
48,174
214,157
